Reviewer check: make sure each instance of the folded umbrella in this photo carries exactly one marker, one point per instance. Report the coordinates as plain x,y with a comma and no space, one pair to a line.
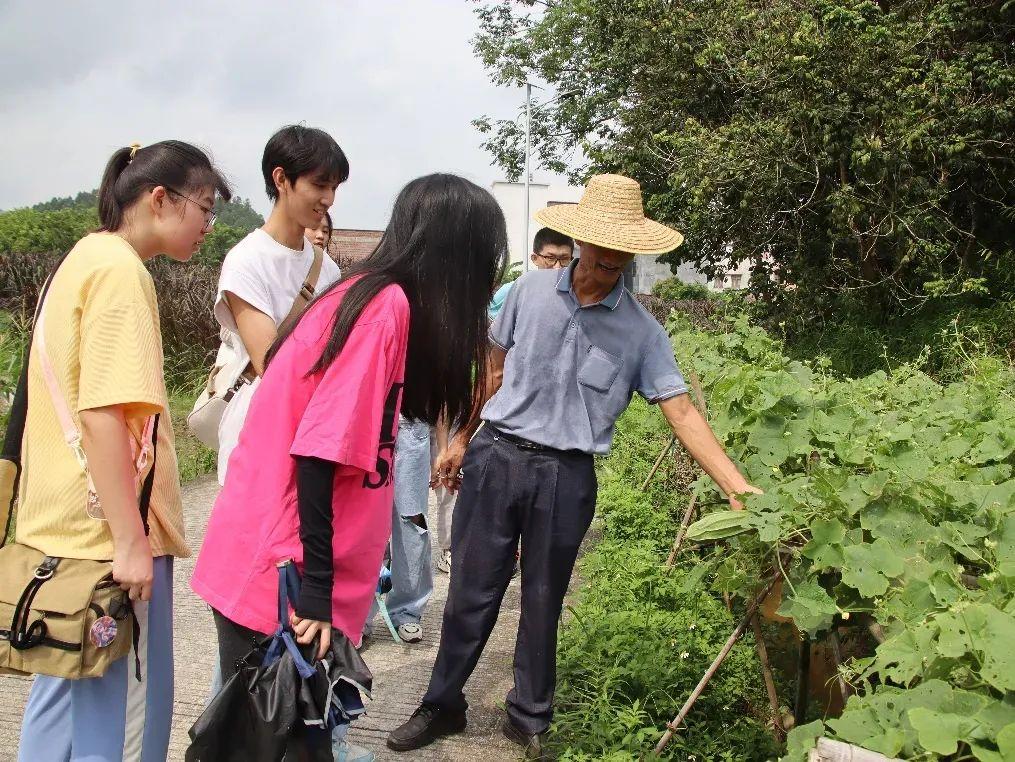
280,699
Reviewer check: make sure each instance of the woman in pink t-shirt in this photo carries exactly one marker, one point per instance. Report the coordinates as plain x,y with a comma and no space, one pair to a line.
310,478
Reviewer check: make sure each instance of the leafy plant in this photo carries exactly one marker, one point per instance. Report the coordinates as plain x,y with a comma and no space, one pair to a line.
894,496
676,290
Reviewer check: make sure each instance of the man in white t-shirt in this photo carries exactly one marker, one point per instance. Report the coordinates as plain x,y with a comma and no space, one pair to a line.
262,275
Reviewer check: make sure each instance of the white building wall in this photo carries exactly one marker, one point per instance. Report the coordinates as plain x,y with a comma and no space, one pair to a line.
511,197
737,277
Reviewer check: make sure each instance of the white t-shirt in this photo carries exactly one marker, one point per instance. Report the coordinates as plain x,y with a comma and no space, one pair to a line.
268,276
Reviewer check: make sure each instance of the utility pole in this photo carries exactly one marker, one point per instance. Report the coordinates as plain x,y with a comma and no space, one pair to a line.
528,137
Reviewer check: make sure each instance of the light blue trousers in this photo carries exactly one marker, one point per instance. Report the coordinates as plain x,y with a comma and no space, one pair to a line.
411,568
113,717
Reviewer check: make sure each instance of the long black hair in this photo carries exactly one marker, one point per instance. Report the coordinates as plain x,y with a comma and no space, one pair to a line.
177,166
445,246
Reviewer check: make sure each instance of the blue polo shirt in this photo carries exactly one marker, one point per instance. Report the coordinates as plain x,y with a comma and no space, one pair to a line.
570,371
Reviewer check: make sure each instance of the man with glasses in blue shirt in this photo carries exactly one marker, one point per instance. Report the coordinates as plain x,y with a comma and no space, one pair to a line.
550,251
569,350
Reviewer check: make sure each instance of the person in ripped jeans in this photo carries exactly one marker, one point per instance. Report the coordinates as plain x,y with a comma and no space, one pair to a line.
409,547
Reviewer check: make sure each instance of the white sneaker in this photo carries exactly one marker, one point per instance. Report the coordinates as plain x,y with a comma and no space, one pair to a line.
343,751
410,632
444,561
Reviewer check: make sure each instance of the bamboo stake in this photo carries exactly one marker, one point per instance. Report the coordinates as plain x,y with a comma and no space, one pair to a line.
779,732
659,461
802,681
685,522
673,726
699,397
833,638
875,629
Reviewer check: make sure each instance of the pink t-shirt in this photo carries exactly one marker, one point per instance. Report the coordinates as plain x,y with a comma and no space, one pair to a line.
347,414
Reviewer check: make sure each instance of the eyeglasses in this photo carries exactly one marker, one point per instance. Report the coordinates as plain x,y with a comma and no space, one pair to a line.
563,259
209,213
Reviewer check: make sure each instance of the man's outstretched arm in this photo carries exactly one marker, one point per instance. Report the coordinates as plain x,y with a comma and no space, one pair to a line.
700,442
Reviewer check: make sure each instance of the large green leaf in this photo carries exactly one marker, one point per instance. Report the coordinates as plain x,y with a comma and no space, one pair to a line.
869,567
802,738
995,446
810,607
938,732
825,546
1006,742
985,632
906,655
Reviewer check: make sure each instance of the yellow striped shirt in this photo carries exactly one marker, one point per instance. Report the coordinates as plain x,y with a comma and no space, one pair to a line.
103,340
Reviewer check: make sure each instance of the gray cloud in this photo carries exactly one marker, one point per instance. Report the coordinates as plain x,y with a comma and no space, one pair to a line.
395,82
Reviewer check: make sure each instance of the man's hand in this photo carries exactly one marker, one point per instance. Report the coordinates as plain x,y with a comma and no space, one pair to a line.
133,567
447,467
750,489
308,629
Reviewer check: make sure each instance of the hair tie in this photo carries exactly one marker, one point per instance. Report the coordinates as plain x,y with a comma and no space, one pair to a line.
134,148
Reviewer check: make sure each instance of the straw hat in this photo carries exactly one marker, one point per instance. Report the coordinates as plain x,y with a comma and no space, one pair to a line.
610,214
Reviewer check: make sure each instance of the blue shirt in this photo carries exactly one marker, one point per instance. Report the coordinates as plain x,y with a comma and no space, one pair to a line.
570,371
497,303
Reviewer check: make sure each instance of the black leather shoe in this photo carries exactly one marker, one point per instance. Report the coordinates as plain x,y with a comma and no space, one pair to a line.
426,725
534,744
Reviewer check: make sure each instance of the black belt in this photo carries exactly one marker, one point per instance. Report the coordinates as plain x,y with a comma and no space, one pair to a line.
526,444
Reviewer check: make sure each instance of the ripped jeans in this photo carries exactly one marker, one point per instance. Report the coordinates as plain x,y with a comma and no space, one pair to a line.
411,568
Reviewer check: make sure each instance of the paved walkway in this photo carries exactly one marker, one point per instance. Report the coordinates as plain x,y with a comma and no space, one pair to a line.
400,672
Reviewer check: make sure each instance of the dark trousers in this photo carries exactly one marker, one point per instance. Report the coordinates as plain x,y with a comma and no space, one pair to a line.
547,499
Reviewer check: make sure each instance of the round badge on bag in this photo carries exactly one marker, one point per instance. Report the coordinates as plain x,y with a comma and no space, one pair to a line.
103,631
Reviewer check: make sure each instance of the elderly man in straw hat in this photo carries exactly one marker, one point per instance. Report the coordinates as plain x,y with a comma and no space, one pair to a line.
569,350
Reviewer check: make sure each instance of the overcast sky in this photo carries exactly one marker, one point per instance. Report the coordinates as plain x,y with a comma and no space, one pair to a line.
394,81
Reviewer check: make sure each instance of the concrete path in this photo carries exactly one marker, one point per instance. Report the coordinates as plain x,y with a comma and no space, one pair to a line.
401,673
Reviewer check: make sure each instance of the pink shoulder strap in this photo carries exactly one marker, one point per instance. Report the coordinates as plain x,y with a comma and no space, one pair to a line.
71,434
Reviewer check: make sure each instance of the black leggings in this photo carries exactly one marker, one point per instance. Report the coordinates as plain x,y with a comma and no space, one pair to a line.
235,642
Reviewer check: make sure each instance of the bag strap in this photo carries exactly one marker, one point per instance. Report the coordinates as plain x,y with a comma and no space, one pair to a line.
145,499
15,434
71,434
288,590
303,298
307,290
19,407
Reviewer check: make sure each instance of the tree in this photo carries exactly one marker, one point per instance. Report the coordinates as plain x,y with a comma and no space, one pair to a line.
83,199
237,213
220,239
30,231
56,225
857,149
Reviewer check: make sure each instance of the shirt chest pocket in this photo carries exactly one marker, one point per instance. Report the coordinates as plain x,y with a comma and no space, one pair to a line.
599,369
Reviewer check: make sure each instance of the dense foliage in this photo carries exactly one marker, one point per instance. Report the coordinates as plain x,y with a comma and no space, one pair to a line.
674,289
57,224
28,230
854,148
887,499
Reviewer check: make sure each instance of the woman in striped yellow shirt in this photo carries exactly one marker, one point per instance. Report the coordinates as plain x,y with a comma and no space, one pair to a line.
100,335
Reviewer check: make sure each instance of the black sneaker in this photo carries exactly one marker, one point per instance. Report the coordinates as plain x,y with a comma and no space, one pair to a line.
534,744
426,725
